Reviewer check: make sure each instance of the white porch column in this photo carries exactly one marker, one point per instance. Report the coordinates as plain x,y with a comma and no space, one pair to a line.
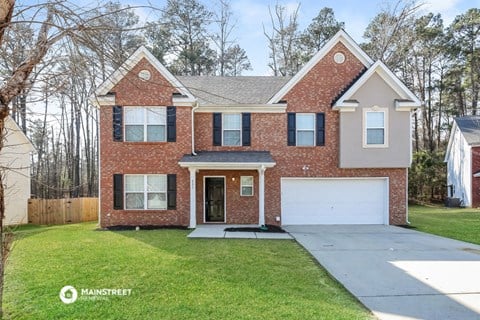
193,198
261,195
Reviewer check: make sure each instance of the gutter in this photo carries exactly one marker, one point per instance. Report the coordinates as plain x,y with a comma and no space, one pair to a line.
193,127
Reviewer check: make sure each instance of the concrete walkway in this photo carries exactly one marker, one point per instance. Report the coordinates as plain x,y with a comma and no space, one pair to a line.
218,231
399,273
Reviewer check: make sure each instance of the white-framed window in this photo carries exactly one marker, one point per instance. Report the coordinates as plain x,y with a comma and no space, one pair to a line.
305,129
145,192
246,186
232,129
375,122
145,124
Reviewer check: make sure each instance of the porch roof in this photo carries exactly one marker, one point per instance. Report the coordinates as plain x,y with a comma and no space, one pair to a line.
230,160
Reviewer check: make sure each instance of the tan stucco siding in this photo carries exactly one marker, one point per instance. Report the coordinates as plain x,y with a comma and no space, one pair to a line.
353,153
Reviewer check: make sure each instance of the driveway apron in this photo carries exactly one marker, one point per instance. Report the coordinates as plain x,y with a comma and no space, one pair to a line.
398,273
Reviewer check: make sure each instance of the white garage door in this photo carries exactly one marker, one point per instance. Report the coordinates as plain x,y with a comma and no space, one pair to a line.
334,201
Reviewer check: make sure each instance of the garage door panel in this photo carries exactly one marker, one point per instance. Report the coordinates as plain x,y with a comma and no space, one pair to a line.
333,201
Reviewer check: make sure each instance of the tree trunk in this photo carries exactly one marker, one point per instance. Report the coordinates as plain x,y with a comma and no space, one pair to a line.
417,147
23,111
440,97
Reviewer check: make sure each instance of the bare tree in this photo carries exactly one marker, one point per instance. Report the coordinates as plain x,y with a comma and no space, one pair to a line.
51,23
284,41
390,33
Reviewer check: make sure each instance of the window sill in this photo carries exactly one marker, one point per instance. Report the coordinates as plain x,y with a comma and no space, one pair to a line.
146,210
373,146
307,147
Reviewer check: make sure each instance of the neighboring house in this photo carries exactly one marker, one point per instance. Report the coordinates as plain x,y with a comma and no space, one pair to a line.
463,161
330,145
15,166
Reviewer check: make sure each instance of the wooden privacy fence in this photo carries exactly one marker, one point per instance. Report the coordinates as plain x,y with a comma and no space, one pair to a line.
62,211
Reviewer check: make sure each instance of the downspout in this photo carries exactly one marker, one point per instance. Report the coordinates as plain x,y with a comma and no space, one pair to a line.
406,174
193,127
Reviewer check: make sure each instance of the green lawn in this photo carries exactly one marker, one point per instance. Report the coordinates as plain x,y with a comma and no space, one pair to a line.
171,277
460,224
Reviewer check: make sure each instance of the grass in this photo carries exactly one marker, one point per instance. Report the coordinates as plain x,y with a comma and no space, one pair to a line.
455,223
171,277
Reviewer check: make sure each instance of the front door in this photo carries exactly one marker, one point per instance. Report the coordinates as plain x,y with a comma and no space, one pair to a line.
214,199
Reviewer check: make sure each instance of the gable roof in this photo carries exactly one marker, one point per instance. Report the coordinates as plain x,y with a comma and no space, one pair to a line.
215,90
342,37
408,99
469,126
131,62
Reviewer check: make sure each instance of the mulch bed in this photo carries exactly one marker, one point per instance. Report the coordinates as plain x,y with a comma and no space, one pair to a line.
146,227
266,228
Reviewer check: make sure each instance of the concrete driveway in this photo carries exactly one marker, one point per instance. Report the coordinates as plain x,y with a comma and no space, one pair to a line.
399,273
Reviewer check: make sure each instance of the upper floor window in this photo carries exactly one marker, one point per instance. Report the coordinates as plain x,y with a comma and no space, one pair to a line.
305,126
145,124
375,127
232,129
306,129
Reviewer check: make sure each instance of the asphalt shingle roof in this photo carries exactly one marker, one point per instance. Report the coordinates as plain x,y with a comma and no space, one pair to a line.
233,90
230,157
470,128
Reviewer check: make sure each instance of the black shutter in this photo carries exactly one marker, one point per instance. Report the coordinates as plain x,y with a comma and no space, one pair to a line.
117,123
246,129
217,129
118,192
320,129
171,191
171,124
291,136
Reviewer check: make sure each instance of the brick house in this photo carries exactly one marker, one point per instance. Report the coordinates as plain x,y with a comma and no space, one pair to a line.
330,145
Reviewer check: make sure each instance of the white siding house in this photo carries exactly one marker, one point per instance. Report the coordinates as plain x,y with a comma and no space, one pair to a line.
464,135
15,167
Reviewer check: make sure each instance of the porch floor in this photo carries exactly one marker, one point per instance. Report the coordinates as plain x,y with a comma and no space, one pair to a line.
218,231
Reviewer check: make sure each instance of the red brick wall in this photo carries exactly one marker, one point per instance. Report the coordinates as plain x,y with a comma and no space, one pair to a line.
144,157
475,181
